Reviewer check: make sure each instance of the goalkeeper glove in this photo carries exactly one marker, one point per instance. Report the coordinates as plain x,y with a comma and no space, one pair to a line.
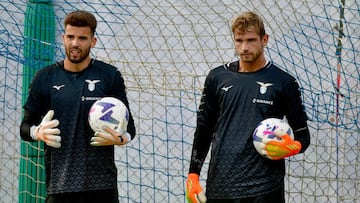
276,149
47,131
194,192
109,137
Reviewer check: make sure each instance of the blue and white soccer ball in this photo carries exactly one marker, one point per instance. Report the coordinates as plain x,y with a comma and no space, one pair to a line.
268,130
108,111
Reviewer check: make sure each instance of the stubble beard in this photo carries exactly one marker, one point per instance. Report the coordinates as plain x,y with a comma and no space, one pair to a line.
83,56
247,59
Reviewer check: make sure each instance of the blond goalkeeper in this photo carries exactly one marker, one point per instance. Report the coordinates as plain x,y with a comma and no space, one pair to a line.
236,97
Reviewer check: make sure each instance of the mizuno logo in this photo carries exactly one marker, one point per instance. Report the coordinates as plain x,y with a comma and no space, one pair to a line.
226,88
264,86
58,87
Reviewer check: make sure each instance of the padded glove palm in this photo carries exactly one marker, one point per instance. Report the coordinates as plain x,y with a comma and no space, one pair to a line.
194,191
109,137
281,148
47,131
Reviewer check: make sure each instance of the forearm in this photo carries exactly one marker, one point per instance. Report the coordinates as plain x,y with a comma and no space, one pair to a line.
28,121
303,136
25,131
131,127
201,146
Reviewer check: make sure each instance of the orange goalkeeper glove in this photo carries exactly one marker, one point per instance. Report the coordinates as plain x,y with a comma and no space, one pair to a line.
285,146
194,192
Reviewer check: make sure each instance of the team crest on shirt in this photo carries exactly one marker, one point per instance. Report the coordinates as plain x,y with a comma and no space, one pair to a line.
91,84
264,86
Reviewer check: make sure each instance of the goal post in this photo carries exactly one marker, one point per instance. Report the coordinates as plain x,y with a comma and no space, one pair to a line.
39,51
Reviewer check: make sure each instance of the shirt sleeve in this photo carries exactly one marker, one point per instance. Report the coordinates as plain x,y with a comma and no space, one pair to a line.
36,104
27,122
206,121
296,115
119,91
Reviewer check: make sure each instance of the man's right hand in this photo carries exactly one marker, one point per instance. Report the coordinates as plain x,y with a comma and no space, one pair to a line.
47,131
194,191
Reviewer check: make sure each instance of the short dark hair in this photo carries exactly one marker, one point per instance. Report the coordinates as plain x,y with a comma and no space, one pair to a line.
81,19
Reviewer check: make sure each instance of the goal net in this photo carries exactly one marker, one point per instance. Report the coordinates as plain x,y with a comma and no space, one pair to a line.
164,50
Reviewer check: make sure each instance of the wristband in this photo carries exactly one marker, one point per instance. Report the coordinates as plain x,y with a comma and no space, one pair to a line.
127,135
32,132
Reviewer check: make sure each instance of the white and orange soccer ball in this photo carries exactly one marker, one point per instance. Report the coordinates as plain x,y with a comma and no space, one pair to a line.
108,111
271,129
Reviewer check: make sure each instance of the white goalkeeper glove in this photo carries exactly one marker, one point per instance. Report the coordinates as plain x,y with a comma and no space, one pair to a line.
110,137
47,131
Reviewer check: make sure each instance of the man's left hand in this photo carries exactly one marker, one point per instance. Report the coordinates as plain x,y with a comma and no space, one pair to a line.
279,149
109,137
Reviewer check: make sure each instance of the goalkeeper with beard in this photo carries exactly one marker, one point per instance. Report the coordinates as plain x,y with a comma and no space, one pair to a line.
236,97
79,163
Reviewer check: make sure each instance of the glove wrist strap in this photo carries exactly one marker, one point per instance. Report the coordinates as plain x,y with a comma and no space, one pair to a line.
128,137
33,132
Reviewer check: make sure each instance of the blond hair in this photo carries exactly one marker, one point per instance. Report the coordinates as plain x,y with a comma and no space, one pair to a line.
248,20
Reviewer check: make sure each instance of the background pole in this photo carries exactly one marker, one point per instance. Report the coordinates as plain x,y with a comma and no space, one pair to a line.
39,51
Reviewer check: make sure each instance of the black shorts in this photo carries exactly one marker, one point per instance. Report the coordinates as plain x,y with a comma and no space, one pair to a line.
276,196
95,196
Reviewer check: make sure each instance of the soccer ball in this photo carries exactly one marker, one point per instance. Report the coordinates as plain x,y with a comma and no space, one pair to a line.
108,111
270,129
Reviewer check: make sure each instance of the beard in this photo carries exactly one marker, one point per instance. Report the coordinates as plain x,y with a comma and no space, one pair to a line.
249,57
80,57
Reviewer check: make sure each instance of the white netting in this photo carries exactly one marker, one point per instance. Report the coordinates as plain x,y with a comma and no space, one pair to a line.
165,49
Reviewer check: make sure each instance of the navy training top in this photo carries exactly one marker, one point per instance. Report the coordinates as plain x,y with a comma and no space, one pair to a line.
76,166
232,104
